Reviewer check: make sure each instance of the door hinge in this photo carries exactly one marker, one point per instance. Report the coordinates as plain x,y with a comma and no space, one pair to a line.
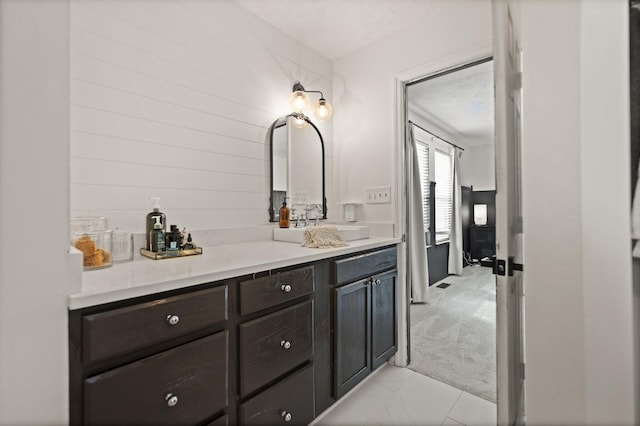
518,81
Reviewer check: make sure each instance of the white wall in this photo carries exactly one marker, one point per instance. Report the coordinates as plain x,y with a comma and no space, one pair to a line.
610,393
174,99
365,96
165,96
478,167
579,352
34,200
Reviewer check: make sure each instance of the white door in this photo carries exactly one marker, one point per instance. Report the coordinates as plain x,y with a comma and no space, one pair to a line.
509,236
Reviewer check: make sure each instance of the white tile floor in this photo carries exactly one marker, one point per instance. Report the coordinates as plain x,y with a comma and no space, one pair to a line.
399,396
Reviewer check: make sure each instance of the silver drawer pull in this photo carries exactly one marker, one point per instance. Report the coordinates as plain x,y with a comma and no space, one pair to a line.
285,344
173,319
172,400
285,287
286,416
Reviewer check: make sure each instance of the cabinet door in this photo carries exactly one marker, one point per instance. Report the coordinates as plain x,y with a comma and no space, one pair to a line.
384,318
352,335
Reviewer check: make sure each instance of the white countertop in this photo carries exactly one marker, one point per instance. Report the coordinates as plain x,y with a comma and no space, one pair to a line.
144,276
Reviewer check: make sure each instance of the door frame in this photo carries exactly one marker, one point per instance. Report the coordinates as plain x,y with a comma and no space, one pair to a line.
431,68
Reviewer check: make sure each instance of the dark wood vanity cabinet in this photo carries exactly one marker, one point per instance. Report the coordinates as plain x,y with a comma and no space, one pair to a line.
364,316
277,347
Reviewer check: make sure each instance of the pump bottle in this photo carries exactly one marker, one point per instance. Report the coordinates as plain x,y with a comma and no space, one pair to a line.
156,216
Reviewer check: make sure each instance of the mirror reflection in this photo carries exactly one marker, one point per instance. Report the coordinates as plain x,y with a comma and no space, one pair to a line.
297,168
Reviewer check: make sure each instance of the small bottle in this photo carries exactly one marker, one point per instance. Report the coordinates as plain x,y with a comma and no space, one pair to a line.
183,238
173,241
156,237
284,215
156,216
189,245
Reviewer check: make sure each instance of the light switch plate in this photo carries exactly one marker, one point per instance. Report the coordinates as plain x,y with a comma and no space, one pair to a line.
377,195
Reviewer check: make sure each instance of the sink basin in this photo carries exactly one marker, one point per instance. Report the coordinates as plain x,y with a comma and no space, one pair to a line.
296,235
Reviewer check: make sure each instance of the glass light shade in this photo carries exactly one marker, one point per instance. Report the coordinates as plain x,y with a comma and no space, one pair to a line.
323,110
299,122
299,101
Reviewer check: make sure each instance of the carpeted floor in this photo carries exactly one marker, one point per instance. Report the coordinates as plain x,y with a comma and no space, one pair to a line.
453,337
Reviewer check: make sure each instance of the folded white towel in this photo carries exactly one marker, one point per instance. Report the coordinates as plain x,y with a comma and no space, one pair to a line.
323,237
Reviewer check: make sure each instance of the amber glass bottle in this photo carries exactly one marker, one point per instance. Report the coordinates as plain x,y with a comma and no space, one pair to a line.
284,215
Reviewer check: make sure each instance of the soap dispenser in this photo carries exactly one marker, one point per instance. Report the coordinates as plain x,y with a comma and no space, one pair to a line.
284,215
156,216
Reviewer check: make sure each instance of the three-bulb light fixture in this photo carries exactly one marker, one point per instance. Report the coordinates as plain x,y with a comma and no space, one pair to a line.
299,101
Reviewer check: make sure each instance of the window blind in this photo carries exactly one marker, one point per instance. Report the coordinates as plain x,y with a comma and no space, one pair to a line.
423,162
444,194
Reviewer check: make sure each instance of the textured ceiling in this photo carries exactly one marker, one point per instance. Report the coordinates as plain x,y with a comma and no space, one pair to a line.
459,103
337,27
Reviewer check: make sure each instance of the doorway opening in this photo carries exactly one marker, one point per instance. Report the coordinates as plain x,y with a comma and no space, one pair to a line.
452,335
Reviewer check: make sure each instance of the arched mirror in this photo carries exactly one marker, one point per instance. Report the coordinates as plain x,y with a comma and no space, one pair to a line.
297,164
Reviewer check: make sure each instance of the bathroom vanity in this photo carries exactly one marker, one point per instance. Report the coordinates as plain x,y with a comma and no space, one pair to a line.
274,335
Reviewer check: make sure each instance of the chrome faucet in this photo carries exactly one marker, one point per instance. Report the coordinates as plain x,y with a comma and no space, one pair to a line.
299,211
314,211
306,215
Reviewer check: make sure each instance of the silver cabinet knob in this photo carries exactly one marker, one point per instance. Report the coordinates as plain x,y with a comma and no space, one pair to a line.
286,416
285,287
172,400
377,282
285,344
173,319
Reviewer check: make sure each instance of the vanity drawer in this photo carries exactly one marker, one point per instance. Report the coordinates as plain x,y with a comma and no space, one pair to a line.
220,421
291,398
262,293
141,393
123,330
362,266
274,344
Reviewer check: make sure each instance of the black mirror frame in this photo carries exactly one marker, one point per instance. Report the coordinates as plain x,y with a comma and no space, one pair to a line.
274,125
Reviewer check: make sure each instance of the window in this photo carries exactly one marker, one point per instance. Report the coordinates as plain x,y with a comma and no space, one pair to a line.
444,195
435,165
423,163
